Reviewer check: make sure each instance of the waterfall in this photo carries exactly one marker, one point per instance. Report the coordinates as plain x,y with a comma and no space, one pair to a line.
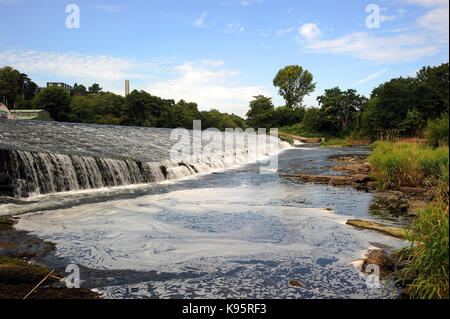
26,173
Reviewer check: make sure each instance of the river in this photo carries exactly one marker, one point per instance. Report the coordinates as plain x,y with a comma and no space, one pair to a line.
228,233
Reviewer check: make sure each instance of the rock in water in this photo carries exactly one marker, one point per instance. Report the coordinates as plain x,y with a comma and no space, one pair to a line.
295,284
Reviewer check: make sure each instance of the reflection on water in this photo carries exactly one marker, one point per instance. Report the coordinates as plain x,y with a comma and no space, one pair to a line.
230,235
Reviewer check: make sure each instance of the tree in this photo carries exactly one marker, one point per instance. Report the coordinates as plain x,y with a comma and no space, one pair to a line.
9,85
294,84
137,109
27,88
412,123
388,106
432,91
95,88
286,116
16,89
78,89
341,106
261,112
56,101
107,103
82,109
313,120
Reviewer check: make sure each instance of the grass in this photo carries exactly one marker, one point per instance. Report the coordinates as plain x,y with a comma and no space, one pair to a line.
16,271
408,164
339,142
288,139
428,256
411,164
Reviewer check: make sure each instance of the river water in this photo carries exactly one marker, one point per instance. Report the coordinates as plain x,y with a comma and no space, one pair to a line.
233,233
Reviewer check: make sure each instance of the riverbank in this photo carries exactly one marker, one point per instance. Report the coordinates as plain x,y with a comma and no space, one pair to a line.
20,271
411,179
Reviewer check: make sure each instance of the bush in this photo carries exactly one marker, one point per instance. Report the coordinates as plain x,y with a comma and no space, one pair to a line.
437,131
402,164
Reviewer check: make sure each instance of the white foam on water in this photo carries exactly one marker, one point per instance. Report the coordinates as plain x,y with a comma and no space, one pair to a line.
160,231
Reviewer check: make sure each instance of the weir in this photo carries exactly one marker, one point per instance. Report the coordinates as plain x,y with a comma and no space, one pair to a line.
25,173
42,158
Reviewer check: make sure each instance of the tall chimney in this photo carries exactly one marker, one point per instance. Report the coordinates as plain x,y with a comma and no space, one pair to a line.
127,87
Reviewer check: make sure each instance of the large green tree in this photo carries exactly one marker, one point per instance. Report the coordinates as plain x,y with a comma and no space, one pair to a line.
432,91
341,107
294,84
388,106
9,85
261,112
56,101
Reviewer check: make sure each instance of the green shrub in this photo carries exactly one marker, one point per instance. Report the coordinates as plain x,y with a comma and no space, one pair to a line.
437,131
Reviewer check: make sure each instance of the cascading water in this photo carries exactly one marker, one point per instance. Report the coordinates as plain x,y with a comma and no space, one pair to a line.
46,162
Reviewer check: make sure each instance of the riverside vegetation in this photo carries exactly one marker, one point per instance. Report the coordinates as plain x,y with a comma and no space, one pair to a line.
426,259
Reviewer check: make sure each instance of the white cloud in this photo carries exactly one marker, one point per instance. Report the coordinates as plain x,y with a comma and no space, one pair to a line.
372,76
309,31
75,65
200,21
207,85
206,82
234,27
362,45
436,19
428,37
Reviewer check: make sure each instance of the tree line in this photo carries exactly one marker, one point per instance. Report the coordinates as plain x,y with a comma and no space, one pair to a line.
402,106
92,105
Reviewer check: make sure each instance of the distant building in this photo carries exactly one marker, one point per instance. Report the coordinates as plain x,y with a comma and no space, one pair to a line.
4,112
65,86
36,115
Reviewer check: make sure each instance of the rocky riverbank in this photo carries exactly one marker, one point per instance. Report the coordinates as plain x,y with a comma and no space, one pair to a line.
356,172
404,201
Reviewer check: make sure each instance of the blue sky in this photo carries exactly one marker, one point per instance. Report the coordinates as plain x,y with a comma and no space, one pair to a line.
221,53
